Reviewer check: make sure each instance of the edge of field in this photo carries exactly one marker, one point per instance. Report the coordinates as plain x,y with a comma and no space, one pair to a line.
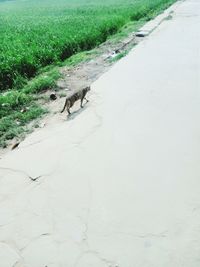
78,71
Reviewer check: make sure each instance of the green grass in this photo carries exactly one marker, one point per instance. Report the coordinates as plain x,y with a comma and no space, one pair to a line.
14,124
42,82
38,36
18,107
37,33
119,56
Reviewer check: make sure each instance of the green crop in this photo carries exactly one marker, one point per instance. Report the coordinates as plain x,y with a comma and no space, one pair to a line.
37,33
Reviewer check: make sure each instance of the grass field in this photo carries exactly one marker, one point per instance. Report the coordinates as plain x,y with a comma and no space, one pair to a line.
38,33
34,33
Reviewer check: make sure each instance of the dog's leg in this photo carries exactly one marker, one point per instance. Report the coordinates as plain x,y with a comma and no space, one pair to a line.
82,102
68,107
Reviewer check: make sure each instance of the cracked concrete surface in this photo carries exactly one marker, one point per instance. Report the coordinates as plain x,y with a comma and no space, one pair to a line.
117,183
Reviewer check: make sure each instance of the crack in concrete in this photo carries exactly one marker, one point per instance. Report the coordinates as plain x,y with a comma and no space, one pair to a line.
23,173
15,264
109,263
41,140
20,251
36,178
13,247
15,171
33,240
85,240
143,236
11,221
88,214
27,175
91,132
34,143
112,263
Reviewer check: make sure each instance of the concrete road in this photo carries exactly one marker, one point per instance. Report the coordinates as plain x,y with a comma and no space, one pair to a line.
117,184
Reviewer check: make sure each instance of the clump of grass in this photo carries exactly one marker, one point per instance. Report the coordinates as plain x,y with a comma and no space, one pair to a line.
42,83
78,58
14,125
119,56
17,107
13,101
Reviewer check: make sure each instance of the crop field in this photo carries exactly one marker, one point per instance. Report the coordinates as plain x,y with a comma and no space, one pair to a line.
36,33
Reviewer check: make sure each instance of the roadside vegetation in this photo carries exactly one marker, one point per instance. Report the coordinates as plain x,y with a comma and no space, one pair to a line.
37,34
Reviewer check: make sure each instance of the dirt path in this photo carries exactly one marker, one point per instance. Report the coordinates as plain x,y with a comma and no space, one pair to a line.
117,184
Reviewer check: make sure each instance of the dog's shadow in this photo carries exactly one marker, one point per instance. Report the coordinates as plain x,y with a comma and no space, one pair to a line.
77,112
